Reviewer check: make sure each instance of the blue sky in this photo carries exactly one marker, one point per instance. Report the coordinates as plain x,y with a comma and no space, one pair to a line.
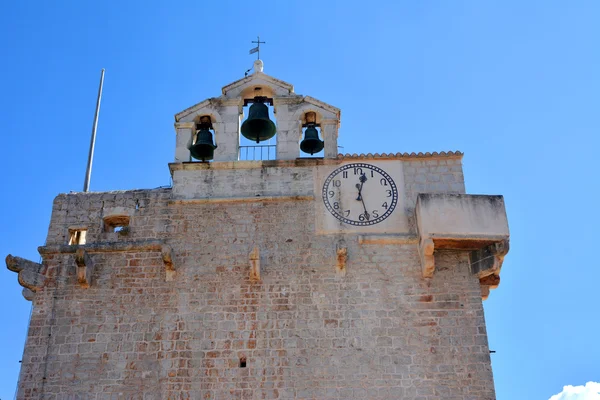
513,84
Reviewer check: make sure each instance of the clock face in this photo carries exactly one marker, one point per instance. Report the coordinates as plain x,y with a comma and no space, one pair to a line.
360,194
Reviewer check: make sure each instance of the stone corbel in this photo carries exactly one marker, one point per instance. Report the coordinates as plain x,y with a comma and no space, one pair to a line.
254,258
28,294
486,264
488,260
31,274
85,268
342,258
167,256
426,249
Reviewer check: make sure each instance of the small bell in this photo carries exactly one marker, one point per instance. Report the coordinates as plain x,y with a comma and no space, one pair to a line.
258,126
203,149
311,142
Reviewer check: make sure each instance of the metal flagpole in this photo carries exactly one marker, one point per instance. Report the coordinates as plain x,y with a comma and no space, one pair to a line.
88,172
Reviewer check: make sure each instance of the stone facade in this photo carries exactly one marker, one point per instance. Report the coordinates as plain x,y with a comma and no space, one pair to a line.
222,287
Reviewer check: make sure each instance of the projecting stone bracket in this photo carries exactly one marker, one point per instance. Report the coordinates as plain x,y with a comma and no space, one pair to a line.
31,274
473,223
167,256
486,264
85,268
342,258
254,258
426,249
488,260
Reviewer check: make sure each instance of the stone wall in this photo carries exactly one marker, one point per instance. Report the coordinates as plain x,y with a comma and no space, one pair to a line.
381,331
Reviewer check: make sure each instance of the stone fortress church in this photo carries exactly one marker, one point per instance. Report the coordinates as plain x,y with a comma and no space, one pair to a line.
298,277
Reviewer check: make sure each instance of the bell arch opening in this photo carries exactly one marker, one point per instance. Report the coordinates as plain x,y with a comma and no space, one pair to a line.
203,143
311,142
257,138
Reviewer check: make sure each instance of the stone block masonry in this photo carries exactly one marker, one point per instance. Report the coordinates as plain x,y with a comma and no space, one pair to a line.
193,322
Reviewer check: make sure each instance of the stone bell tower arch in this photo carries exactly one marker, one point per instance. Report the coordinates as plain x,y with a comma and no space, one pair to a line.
226,113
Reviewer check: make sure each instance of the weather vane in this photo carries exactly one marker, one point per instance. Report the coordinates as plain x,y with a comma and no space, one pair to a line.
257,48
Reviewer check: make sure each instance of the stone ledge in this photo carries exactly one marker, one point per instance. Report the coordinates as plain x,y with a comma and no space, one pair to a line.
103,247
387,239
241,199
84,263
307,162
298,162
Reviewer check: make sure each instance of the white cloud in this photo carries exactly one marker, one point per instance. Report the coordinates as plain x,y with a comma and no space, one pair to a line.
591,391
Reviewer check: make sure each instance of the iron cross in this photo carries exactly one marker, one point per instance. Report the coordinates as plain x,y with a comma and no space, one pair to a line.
257,48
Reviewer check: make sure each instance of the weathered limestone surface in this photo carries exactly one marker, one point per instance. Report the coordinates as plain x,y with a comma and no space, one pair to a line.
320,317
472,217
258,180
464,222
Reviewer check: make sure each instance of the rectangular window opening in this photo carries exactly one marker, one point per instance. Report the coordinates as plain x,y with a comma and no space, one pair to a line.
243,362
77,236
119,224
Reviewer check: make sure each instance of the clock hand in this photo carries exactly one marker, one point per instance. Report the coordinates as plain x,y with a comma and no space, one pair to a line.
362,179
359,187
367,216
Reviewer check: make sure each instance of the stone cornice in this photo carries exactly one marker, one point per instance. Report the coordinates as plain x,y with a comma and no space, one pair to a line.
241,199
299,162
103,247
306,162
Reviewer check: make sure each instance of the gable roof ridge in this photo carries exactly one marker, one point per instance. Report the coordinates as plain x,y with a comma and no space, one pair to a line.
254,76
322,104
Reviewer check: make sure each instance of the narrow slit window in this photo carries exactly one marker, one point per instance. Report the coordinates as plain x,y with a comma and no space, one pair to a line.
77,236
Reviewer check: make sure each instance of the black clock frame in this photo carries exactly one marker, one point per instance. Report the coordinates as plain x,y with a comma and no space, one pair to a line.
377,220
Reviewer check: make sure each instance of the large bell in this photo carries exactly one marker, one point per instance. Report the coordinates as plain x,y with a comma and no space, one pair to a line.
203,149
311,142
258,127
